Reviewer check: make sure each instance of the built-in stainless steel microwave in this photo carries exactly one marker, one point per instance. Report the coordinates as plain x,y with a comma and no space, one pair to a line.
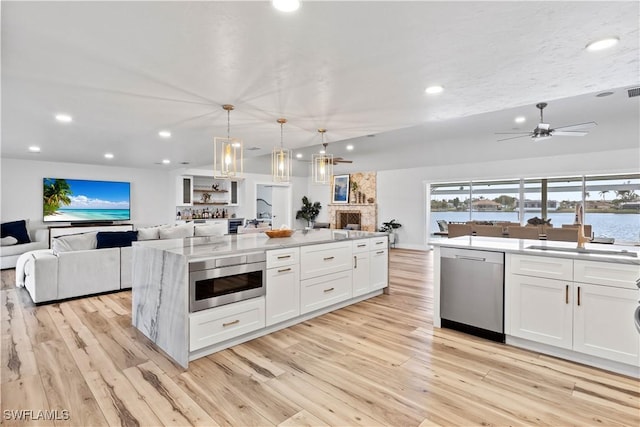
224,280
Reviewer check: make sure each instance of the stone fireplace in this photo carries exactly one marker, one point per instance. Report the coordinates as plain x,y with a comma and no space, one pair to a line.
361,209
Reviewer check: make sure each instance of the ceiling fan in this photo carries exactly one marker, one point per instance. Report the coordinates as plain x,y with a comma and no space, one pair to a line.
544,130
336,160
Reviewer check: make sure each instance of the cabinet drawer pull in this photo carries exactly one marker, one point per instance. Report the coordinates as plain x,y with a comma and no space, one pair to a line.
284,256
578,295
284,269
224,325
566,294
379,243
363,245
355,262
329,258
379,252
328,290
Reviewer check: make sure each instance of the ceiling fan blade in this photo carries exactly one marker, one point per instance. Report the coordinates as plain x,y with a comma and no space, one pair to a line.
581,126
568,133
512,133
514,137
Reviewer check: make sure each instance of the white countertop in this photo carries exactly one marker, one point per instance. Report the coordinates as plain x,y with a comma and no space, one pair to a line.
600,252
202,248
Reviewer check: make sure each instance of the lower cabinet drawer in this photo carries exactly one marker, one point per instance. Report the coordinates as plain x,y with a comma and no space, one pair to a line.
215,325
542,266
324,291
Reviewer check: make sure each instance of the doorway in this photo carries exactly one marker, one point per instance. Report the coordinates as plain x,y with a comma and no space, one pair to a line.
273,204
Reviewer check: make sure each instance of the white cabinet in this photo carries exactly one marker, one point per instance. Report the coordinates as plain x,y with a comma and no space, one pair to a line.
606,298
542,310
360,257
603,325
594,318
283,285
215,325
326,273
325,290
378,269
184,191
325,258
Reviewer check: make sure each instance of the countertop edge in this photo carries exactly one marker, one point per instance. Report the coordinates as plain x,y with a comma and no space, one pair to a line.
520,246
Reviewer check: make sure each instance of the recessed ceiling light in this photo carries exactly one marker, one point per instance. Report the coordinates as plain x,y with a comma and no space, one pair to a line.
520,119
64,118
166,161
603,94
603,43
108,156
349,147
164,134
34,149
299,155
286,5
321,151
432,90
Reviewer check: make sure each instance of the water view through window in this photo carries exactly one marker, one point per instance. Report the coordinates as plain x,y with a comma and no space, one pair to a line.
612,203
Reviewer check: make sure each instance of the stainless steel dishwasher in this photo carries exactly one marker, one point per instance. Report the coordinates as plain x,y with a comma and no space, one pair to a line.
472,292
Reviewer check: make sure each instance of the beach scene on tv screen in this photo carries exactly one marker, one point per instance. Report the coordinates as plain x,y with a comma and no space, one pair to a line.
82,200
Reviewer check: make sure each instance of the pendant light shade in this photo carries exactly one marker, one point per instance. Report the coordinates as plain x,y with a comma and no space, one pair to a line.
281,159
227,152
322,164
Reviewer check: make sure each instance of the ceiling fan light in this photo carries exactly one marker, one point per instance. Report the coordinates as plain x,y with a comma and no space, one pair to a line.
602,44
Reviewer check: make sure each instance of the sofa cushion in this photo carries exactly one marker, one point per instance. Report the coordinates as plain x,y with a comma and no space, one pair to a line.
8,241
75,242
115,239
177,232
150,233
17,229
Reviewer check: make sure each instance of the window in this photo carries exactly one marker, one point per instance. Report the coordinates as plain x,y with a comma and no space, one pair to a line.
612,203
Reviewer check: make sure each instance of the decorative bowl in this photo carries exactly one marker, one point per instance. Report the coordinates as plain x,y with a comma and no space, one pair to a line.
279,233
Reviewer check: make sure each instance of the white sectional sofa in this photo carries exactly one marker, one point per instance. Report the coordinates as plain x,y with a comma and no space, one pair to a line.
75,266
11,251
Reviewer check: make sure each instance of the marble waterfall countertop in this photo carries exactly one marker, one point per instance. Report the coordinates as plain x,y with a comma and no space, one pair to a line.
202,248
557,249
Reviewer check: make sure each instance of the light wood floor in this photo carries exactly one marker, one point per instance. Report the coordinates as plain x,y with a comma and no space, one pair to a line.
375,363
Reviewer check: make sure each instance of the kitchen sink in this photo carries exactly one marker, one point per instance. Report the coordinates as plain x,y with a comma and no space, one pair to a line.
622,252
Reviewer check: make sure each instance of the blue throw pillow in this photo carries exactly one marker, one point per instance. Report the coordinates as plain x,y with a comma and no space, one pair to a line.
116,239
17,229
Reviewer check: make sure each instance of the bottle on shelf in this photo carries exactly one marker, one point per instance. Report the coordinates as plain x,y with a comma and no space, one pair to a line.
178,216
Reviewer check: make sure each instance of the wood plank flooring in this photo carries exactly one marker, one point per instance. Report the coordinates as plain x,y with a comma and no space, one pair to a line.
376,363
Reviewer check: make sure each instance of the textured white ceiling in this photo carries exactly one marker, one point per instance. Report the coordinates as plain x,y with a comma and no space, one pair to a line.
125,70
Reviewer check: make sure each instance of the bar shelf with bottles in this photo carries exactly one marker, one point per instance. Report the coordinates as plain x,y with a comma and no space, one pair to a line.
188,213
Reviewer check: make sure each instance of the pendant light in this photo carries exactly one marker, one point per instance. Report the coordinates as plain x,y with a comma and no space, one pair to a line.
227,152
281,159
322,164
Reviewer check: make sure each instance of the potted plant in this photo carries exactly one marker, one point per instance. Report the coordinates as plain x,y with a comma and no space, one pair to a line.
309,211
390,227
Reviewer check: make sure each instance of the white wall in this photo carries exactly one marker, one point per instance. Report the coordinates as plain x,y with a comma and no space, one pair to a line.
21,189
401,192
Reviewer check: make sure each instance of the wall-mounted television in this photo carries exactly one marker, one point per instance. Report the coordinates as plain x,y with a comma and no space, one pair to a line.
80,200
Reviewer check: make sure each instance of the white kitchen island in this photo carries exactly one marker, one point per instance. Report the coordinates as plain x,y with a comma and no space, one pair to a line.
308,274
563,301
